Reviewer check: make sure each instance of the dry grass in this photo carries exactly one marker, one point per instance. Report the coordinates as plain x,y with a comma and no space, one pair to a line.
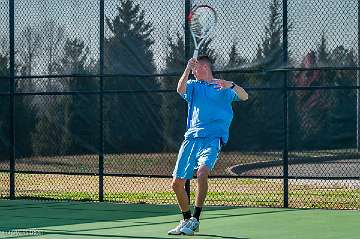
231,191
239,192
144,163
158,163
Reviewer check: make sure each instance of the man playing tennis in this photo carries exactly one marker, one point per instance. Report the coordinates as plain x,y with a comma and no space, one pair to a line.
209,118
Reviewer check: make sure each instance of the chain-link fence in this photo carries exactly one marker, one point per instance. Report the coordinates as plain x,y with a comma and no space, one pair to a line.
89,109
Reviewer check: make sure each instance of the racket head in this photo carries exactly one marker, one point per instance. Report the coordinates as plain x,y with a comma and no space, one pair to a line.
202,20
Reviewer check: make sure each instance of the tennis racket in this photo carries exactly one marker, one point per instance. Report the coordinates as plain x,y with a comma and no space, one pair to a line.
202,21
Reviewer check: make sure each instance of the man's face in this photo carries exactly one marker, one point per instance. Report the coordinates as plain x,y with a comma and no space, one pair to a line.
201,71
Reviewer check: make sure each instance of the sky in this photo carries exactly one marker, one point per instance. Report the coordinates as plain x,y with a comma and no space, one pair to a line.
240,21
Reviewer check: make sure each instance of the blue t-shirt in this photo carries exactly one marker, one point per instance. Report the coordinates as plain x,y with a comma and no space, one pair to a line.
209,110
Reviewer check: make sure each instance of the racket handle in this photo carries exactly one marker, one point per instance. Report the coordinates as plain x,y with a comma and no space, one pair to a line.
196,53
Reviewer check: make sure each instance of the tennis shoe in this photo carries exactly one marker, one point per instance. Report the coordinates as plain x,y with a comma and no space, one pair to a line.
191,226
176,230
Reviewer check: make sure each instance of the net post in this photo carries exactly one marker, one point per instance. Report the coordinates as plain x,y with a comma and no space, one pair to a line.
101,104
187,56
285,105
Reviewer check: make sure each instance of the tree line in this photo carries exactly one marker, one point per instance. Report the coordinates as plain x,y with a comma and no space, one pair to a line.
138,120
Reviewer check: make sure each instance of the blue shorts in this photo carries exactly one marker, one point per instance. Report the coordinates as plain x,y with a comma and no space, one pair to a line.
195,152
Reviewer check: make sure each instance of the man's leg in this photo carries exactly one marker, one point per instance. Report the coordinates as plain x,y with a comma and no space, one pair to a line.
184,166
184,169
178,185
193,223
202,179
208,157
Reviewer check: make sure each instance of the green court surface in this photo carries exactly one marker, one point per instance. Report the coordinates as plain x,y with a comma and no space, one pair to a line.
51,219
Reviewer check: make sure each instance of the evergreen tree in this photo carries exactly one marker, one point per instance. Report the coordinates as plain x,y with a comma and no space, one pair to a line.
242,125
25,119
342,116
173,108
81,111
272,44
326,118
130,42
128,51
322,100
268,105
235,59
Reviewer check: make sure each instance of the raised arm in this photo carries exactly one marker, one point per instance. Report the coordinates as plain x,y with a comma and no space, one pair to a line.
240,92
181,87
243,95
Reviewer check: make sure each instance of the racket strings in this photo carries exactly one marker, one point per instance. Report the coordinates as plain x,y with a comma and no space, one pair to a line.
196,27
202,21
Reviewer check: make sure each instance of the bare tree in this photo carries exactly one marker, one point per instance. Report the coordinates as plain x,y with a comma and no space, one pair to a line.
29,49
53,44
54,40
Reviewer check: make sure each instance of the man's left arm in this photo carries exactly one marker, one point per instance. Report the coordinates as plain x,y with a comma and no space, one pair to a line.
240,92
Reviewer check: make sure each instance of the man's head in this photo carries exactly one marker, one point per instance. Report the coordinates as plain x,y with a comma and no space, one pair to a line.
203,69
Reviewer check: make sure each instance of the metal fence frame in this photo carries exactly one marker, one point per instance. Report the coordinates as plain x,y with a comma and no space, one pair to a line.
101,92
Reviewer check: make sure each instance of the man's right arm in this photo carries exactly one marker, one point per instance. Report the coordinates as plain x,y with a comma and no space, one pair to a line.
181,87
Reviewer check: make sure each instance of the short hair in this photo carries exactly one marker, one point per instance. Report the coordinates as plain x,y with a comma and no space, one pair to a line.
205,59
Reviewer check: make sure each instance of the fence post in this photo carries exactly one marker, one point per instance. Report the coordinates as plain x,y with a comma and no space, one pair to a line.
12,97
357,84
101,104
187,56
285,103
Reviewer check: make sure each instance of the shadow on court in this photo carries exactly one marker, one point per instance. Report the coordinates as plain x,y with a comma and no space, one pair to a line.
47,216
77,220
18,214
68,234
140,224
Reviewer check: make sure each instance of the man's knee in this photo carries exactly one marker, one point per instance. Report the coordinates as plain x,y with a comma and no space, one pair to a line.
178,184
203,172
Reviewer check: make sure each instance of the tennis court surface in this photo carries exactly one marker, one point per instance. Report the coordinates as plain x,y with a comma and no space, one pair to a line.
52,219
